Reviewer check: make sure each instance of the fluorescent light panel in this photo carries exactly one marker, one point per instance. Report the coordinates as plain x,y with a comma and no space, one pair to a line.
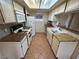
45,1
45,4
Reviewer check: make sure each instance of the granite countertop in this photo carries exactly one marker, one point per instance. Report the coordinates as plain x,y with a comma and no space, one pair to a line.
15,37
64,37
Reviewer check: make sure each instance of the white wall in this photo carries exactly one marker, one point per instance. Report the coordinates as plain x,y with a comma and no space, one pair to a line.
40,26
39,23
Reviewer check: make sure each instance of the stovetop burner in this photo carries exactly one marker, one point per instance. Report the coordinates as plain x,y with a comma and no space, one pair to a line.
19,30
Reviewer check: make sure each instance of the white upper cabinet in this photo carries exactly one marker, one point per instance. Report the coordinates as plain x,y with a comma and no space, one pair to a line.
51,17
18,7
19,11
75,22
60,9
6,7
73,5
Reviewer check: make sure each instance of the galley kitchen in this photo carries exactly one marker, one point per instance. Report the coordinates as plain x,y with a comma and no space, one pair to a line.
39,29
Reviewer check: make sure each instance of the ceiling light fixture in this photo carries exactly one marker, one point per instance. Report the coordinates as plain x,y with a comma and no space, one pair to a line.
33,1
45,1
40,4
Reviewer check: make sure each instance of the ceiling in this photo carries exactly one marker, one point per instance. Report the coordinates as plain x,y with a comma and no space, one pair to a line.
40,5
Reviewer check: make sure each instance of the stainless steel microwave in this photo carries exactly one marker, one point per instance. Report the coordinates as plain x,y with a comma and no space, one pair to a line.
20,17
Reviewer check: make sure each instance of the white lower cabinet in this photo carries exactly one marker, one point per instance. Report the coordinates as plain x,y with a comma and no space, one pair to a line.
49,35
63,46
78,57
24,47
66,50
1,54
13,50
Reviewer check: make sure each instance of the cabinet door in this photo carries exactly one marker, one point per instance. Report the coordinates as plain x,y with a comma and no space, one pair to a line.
66,49
48,35
73,5
7,11
18,7
55,45
60,9
1,19
19,12
24,46
1,53
10,50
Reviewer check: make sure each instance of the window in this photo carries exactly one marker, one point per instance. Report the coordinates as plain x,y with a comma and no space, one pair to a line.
39,17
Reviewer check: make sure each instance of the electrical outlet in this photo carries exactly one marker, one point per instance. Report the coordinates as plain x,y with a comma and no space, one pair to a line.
5,30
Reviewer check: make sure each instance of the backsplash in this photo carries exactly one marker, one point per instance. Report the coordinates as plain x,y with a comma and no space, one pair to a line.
4,30
3,33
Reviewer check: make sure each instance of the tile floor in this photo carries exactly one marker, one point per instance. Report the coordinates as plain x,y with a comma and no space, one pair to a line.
40,48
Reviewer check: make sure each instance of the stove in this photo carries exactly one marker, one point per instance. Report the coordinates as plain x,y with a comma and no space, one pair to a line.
19,28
